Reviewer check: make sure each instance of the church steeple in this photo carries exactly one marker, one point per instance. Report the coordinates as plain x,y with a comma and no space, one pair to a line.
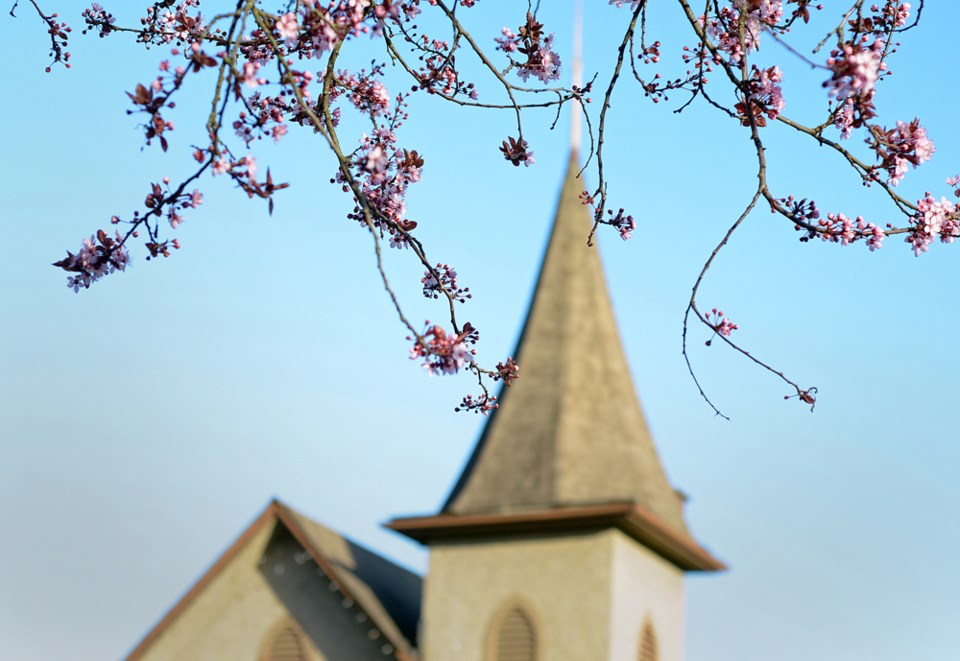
570,431
562,535
563,520
569,448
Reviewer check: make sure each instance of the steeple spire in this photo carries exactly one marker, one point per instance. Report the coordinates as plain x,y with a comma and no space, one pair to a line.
569,448
570,431
577,70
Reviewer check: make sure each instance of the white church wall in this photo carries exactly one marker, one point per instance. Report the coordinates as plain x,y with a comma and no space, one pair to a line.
644,585
561,581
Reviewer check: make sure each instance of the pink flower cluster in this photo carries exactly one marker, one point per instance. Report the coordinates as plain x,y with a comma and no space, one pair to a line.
287,28
515,150
443,352
483,403
437,75
835,228
99,19
900,147
319,28
757,16
844,118
99,255
384,173
838,228
855,68
894,14
719,324
443,279
161,197
623,222
365,91
542,62
934,218
507,371
765,94
180,24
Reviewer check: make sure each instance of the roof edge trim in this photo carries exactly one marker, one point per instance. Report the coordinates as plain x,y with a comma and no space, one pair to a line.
634,521
205,579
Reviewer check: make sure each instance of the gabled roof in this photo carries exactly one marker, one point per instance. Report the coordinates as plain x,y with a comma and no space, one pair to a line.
386,593
570,434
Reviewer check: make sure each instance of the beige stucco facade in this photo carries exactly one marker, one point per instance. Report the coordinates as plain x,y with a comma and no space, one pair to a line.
233,617
644,585
587,594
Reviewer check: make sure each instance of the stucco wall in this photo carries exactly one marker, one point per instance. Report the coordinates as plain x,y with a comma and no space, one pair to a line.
644,585
268,580
588,595
562,582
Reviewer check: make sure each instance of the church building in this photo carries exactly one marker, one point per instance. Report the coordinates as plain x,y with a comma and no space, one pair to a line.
562,539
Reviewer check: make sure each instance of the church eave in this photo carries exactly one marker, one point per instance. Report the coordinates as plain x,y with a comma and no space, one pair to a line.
637,522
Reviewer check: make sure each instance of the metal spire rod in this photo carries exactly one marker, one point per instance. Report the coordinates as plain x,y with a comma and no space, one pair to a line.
575,118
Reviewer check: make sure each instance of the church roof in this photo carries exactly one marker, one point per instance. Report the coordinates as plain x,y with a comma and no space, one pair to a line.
387,594
570,434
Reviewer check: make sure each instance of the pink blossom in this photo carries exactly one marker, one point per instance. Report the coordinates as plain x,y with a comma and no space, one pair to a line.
507,43
251,164
445,353
934,218
759,15
542,62
875,238
898,148
624,223
376,160
447,283
515,150
843,118
719,323
286,26
766,97
99,255
895,13
249,74
855,69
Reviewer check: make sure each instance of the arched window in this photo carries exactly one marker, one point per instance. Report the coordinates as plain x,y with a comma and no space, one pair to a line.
284,643
648,643
514,637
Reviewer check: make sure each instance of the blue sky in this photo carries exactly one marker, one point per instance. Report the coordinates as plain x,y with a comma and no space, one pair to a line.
148,420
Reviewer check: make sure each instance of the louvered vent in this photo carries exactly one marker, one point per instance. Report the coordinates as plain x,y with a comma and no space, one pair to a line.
286,646
516,640
648,643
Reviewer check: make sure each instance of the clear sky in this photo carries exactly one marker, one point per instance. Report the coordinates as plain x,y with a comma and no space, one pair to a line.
147,421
